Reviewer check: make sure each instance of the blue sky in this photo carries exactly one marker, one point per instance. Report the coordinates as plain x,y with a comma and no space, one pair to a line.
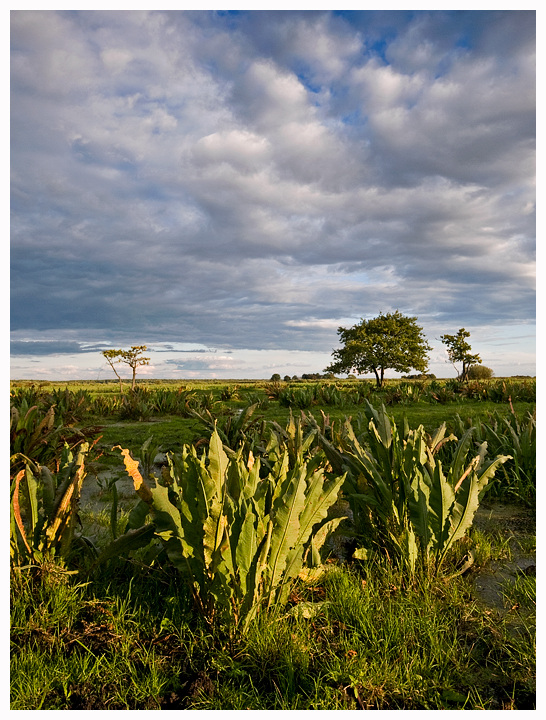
230,188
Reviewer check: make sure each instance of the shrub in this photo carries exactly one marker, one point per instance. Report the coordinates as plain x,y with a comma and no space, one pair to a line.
479,372
44,508
404,498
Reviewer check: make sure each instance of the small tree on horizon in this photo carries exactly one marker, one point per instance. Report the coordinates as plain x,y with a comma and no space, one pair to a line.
133,358
130,357
392,341
458,351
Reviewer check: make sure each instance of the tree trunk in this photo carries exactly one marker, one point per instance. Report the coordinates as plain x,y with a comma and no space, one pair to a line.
117,375
134,375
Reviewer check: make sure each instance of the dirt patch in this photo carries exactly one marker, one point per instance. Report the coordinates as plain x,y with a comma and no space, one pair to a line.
497,517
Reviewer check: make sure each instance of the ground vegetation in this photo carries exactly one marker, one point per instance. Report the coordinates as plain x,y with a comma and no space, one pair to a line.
266,545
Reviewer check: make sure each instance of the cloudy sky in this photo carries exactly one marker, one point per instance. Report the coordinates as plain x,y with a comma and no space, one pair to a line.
230,188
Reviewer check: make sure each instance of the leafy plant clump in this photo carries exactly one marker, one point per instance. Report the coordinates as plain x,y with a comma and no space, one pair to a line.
44,509
254,617
406,500
238,539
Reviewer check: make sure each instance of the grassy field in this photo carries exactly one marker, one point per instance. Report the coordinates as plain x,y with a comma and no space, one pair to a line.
131,641
364,634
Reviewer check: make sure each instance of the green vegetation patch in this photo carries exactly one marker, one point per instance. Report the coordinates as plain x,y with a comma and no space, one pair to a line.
374,641
103,615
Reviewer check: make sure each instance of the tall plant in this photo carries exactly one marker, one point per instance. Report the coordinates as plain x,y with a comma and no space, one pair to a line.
406,499
44,509
517,436
238,539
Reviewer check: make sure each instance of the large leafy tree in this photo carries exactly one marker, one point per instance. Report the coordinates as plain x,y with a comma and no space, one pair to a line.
458,351
392,341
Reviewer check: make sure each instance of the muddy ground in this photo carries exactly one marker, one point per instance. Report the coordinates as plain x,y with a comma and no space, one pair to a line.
515,523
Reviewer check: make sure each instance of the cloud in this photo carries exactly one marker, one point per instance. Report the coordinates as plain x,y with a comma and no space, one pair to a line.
30,347
170,349
255,181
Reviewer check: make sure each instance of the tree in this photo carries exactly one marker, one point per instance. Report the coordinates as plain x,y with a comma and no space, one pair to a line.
130,357
113,357
388,341
458,351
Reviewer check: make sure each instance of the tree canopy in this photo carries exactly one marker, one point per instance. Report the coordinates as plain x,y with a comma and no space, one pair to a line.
392,341
458,351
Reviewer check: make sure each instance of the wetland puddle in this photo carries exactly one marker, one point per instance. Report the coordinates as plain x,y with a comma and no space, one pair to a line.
493,581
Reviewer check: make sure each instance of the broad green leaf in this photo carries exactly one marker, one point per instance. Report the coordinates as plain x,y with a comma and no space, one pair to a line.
138,515
218,462
419,509
457,467
32,497
411,552
441,500
48,491
361,554
247,546
286,512
320,536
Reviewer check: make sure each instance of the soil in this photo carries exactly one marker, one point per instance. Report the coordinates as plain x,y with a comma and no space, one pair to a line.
509,519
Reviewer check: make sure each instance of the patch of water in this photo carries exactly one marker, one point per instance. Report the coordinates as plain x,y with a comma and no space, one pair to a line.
491,583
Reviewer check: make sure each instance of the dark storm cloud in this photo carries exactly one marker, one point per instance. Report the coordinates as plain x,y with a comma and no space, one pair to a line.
50,347
248,180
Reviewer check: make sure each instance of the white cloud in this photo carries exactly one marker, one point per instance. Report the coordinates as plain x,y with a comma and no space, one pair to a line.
246,183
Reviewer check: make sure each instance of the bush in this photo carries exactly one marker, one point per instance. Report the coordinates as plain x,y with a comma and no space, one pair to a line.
275,377
479,372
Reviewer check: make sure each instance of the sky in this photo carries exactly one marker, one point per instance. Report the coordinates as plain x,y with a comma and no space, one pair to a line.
230,188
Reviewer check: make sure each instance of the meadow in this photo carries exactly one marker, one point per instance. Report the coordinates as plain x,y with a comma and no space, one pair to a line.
277,545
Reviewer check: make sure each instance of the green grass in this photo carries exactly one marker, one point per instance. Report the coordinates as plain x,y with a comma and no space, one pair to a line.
171,433
131,641
523,592
128,638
